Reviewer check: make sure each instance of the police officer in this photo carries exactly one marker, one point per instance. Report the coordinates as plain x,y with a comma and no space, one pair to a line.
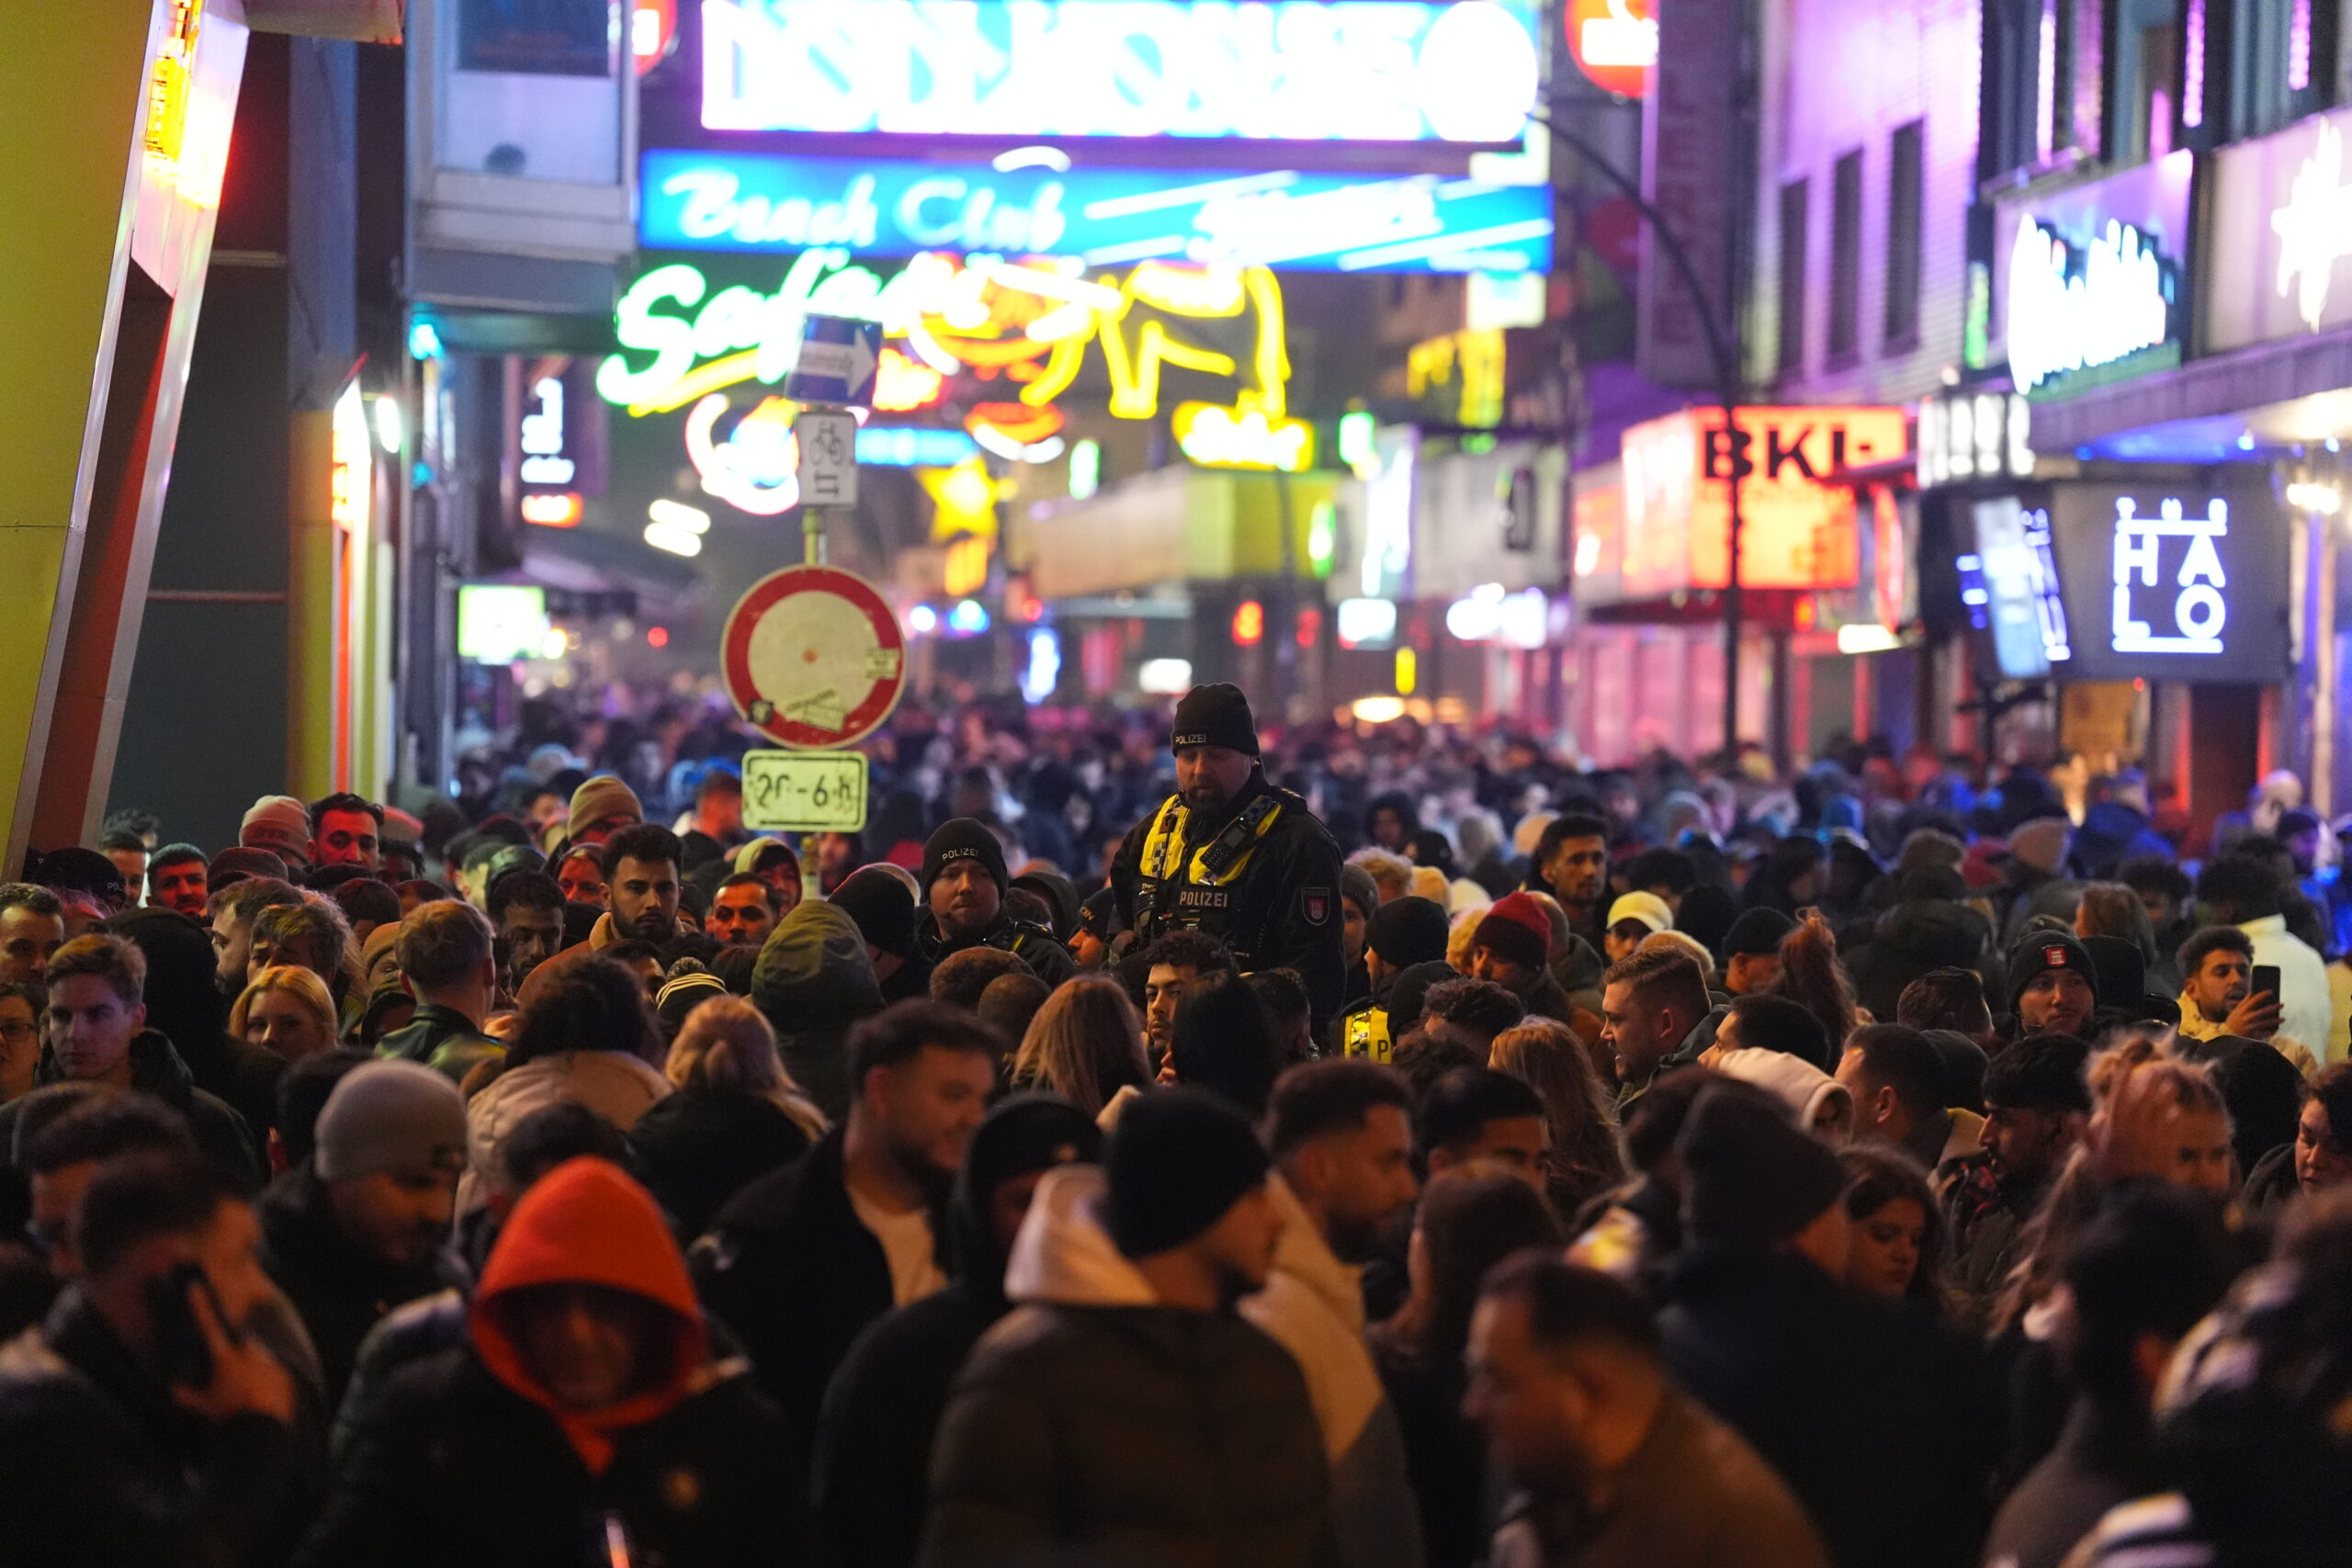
1401,933
1231,856
964,882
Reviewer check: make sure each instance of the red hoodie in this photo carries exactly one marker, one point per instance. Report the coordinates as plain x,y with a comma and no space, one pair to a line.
586,1223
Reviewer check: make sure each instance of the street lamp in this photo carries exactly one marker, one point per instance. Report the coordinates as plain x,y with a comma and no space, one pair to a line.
1724,353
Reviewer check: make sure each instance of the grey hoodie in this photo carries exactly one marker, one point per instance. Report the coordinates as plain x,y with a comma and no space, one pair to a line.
815,979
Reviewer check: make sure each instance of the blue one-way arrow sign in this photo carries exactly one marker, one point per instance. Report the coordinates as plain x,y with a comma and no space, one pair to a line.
839,355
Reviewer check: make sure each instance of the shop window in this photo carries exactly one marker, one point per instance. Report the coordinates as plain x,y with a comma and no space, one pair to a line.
1792,279
2027,107
1846,259
1906,169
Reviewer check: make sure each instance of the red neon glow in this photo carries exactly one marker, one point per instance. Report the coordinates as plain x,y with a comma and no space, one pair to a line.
657,637
552,511
1310,626
901,385
1249,623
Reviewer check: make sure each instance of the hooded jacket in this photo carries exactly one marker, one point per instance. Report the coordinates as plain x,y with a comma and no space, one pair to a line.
340,1291
184,1005
1095,1421
1909,940
699,1146
466,1459
814,981
156,1069
1313,1307
792,1270
617,1085
1811,1095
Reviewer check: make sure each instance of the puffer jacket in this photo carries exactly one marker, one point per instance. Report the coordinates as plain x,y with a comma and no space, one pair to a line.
613,1084
465,1460
1095,1422
814,981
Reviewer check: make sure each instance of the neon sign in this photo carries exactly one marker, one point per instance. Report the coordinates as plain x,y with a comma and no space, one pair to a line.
696,200
2315,228
1285,70
2198,614
2076,308
2021,603
542,437
1615,49
1216,437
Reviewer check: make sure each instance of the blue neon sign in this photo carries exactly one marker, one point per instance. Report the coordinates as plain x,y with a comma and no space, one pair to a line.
1108,217
913,446
1458,71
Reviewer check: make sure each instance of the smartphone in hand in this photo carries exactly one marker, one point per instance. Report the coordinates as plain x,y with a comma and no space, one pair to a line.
2266,981
186,1354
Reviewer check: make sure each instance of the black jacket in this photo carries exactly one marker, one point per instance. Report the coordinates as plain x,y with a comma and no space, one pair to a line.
99,1467
1910,939
1879,1421
814,981
700,1146
452,1469
1033,944
796,1277
1284,913
340,1291
443,1039
157,1069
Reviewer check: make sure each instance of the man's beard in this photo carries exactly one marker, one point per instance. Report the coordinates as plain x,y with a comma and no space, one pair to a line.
654,926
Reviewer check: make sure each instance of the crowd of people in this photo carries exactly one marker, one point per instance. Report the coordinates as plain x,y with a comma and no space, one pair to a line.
1139,1148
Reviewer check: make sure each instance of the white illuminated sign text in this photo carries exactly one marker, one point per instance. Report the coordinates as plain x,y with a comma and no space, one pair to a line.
2073,308
2315,228
2198,612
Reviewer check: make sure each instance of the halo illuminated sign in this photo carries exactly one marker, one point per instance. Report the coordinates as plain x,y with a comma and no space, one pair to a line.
1285,70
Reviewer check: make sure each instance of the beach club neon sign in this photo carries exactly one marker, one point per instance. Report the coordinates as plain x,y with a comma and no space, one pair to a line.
1458,71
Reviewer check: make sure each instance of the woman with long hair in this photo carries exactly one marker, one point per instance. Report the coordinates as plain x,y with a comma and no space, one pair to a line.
1898,1229
1812,978
1584,1157
1085,1043
1467,1224
735,1115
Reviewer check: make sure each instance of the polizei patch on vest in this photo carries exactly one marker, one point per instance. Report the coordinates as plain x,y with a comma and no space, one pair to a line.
1315,905
1204,898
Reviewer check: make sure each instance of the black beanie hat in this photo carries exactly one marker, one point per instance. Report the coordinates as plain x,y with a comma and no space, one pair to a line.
1750,1177
1096,913
1405,931
2042,951
963,837
1178,1160
1215,715
1755,933
1411,989
883,909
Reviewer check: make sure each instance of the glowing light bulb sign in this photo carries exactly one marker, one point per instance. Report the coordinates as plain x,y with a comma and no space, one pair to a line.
2282,235
1454,71
2094,280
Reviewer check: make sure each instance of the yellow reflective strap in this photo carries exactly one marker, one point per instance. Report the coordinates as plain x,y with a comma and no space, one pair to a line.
1367,1035
1203,876
1164,850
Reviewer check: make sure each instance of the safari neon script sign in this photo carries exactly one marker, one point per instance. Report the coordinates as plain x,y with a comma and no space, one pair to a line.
2074,308
2197,614
1256,70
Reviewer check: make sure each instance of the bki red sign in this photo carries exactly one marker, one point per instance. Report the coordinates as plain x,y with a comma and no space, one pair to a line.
1614,43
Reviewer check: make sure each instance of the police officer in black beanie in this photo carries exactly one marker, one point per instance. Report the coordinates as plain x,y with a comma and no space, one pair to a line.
1236,857
964,880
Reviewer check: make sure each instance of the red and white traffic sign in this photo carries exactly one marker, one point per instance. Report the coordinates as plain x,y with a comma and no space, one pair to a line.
813,657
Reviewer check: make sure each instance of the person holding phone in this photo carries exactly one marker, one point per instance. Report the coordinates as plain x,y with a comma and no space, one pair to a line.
2219,995
144,1424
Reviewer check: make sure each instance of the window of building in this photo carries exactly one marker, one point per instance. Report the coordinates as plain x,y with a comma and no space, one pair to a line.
2279,59
1906,170
2147,78
1846,259
1792,279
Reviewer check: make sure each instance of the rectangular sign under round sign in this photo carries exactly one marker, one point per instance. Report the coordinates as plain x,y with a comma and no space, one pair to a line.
827,442
804,792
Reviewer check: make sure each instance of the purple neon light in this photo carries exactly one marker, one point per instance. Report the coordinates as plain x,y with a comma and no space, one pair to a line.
2192,85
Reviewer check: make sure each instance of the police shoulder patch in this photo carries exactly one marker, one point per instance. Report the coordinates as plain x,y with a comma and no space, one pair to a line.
1315,905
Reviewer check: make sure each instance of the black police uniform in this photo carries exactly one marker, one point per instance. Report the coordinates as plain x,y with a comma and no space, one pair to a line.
1265,882
1034,945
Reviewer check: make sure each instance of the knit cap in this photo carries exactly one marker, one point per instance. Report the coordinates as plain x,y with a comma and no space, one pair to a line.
2041,843
1750,1177
1405,931
600,799
1647,907
1180,1159
390,1116
1516,929
1215,715
1755,933
280,824
237,864
764,851
963,837
1357,887
2042,951
883,909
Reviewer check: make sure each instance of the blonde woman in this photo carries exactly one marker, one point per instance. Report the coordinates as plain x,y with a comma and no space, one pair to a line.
1584,1157
736,1116
286,1010
1085,1045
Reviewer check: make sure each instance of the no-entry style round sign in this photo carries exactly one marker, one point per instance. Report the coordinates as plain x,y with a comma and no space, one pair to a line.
813,657
1614,43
